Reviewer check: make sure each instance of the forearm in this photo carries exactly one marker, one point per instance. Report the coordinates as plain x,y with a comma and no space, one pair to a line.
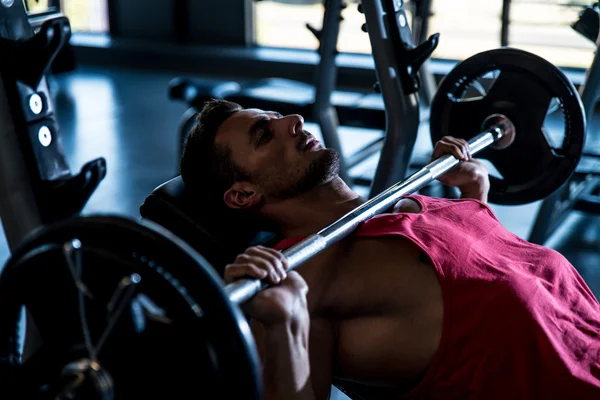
286,366
478,189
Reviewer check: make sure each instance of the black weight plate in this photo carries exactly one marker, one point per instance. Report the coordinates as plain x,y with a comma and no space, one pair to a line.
178,335
534,166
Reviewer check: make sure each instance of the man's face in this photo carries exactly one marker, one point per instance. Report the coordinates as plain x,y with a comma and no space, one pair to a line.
280,157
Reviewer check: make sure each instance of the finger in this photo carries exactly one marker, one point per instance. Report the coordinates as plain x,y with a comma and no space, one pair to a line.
272,256
459,148
457,151
234,272
273,271
441,148
256,258
270,250
466,148
436,153
257,251
445,147
278,255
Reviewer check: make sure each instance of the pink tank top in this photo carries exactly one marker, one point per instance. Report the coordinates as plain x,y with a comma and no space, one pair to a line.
519,321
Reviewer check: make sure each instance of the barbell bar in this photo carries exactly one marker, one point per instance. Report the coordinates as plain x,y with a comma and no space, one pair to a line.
498,132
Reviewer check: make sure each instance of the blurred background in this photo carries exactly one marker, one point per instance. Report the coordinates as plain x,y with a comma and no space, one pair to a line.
467,26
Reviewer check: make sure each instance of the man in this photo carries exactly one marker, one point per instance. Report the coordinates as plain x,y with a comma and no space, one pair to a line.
434,299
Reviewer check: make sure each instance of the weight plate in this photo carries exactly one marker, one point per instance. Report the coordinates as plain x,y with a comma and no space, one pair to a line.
532,93
174,331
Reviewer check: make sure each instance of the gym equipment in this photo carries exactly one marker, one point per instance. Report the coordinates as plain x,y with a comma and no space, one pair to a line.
131,300
126,287
505,23
588,24
325,76
195,315
64,61
397,64
36,184
500,133
175,208
524,87
393,50
582,191
172,205
421,11
123,287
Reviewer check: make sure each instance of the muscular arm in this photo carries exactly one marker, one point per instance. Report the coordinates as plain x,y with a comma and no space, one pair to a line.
281,322
285,362
477,185
289,369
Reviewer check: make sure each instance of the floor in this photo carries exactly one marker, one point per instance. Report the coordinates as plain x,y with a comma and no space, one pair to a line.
126,117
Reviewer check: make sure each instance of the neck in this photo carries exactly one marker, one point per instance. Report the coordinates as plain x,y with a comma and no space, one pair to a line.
314,210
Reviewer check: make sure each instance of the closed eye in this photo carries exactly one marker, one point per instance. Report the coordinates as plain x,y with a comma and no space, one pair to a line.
264,136
257,129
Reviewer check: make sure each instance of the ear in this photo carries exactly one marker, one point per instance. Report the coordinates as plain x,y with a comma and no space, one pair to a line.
242,195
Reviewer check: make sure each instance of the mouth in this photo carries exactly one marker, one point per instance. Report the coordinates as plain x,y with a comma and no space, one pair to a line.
309,143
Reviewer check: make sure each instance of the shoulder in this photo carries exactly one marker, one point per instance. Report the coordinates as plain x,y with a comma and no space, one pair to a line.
407,205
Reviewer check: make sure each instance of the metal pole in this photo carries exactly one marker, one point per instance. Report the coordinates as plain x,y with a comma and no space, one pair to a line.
589,90
243,290
421,30
401,110
505,23
325,114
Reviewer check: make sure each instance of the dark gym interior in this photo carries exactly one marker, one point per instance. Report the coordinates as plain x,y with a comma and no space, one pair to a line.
127,85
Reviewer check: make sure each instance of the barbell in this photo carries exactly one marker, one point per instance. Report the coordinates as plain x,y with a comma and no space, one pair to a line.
534,83
116,300
499,133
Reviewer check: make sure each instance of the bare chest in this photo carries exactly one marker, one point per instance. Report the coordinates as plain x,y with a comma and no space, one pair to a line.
384,301
374,277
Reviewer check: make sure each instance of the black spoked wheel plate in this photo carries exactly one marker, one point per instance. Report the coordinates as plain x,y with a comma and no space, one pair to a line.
540,101
154,311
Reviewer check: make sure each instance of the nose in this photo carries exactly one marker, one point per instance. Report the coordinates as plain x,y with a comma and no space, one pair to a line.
296,124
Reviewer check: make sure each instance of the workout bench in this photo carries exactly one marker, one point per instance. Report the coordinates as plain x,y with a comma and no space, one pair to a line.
176,208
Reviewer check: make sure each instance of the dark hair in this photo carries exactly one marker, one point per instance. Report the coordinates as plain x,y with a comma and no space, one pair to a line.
207,168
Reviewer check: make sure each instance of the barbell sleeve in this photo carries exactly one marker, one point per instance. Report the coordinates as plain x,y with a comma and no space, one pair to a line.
243,290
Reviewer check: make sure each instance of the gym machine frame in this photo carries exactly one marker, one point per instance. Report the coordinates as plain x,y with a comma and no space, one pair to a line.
397,63
581,192
36,184
326,114
421,11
